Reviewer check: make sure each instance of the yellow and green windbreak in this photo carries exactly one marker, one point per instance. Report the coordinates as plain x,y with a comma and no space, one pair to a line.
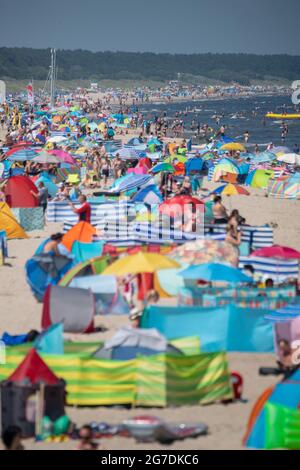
159,380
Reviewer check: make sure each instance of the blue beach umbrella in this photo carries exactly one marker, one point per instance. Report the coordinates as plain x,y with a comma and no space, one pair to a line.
214,272
22,155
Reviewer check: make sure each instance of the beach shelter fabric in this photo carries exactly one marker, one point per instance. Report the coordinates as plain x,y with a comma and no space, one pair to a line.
226,328
81,232
51,341
128,342
140,263
34,370
159,380
193,165
44,269
105,289
17,192
223,167
85,251
286,393
285,188
148,195
30,218
52,188
73,307
9,224
285,314
282,427
87,268
259,178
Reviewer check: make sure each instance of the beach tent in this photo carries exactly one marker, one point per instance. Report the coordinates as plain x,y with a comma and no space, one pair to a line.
9,224
127,343
259,178
105,290
287,394
81,232
193,165
86,268
44,269
18,192
51,341
225,167
74,307
19,403
148,195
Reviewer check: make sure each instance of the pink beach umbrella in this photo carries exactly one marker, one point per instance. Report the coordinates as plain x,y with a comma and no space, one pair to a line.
64,156
277,251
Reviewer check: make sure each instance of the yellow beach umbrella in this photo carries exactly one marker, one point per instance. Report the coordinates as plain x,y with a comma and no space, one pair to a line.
235,146
140,263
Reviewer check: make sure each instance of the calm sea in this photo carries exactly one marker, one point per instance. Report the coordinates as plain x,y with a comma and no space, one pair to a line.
239,115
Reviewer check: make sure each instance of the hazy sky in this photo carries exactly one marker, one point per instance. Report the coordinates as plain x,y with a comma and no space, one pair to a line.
183,26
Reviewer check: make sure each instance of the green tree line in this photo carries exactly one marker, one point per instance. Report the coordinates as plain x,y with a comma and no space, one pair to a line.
27,63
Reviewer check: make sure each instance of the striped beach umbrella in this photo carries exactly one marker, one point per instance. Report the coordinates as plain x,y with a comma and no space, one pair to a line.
230,190
22,155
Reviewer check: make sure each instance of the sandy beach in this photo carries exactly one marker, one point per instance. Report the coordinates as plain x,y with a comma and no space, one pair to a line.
20,312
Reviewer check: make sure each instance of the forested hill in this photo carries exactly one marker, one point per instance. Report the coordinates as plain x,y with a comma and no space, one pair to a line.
26,63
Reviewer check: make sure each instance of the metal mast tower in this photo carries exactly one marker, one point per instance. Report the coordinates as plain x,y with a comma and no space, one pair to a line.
52,77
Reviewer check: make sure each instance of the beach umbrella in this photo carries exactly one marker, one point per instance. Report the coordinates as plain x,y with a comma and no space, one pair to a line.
22,155
291,158
277,251
177,204
163,167
17,147
140,263
214,272
230,190
234,146
204,251
135,141
63,156
44,157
